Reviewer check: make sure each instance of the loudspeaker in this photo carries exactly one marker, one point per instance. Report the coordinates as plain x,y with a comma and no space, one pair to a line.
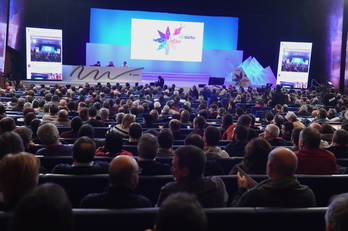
216,81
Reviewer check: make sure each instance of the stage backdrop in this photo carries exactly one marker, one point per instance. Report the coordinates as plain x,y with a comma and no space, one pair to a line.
217,63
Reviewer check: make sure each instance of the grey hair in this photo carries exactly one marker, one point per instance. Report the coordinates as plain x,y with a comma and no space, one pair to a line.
337,212
48,133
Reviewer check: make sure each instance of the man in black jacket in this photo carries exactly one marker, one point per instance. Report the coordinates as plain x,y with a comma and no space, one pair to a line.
281,189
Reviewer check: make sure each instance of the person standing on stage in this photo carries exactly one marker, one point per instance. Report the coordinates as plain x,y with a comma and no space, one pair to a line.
97,64
160,81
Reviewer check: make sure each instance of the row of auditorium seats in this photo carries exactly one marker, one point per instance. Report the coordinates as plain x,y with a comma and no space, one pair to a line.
77,186
48,162
100,131
222,219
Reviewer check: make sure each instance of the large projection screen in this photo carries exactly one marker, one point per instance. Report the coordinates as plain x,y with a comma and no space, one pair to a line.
44,54
293,64
3,32
166,40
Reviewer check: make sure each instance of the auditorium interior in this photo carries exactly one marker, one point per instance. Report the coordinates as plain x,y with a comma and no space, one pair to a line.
259,29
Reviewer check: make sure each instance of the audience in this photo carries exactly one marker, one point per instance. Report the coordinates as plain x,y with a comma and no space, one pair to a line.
336,213
75,125
212,137
256,156
113,146
19,173
123,177
7,124
271,134
47,207
281,189
123,128
239,141
147,150
165,141
311,158
49,136
10,142
339,144
82,156
181,211
188,167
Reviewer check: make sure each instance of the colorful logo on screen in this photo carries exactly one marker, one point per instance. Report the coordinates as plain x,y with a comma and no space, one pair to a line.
168,41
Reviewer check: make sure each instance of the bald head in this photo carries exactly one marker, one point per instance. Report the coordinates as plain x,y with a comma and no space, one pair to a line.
123,171
316,126
282,162
63,114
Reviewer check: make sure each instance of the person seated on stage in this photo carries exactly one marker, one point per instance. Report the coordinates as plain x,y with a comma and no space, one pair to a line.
212,136
123,177
113,146
49,136
180,211
311,158
339,144
239,141
45,206
188,167
111,64
282,189
83,155
97,64
271,134
124,64
147,150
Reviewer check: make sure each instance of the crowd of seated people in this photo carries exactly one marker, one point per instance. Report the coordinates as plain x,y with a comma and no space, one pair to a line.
186,127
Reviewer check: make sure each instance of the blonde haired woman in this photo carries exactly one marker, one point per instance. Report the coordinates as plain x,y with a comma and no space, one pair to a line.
123,128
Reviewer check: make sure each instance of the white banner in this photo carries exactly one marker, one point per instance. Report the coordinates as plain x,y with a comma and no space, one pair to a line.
102,74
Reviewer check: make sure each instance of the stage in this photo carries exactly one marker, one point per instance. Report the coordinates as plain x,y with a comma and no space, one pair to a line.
78,75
